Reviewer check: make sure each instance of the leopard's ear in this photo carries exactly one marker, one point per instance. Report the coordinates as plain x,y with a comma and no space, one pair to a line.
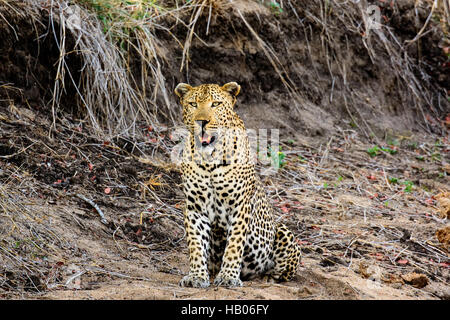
232,88
182,89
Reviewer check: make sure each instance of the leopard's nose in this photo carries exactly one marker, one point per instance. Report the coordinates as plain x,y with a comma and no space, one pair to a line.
202,123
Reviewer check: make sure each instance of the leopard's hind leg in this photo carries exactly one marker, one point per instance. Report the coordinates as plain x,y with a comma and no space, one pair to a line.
286,255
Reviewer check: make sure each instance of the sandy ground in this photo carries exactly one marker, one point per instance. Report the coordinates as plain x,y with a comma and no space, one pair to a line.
100,265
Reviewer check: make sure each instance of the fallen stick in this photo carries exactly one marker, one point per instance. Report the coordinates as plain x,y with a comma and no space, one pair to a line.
95,206
18,152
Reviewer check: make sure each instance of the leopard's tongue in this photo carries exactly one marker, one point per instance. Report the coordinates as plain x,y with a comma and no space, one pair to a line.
206,138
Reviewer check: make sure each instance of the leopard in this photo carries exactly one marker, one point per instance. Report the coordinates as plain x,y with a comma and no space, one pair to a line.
231,231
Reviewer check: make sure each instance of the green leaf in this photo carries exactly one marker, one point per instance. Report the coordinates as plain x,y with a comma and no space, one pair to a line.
393,180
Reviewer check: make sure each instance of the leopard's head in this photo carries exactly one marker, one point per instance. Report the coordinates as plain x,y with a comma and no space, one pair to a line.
208,108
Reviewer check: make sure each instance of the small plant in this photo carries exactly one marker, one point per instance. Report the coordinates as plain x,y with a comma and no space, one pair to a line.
420,158
376,150
277,158
413,145
302,159
393,142
439,144
393,180
389,150
281,157
276,8
408,186
436,156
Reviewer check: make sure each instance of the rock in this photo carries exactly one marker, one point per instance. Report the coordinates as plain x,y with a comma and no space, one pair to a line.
369,271
417,280
443,235
443,199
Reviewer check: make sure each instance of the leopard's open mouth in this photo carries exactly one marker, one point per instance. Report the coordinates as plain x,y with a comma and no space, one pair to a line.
205,139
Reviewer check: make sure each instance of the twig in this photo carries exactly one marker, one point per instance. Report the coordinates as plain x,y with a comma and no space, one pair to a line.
386,180
92,203
419,34
18,152
79,274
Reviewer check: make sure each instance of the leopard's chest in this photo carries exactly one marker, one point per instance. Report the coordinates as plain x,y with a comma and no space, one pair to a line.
217,191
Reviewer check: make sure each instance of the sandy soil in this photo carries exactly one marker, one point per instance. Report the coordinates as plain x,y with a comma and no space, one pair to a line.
109,270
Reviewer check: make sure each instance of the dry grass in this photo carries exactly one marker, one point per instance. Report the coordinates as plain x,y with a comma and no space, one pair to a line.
27,239
107,34
115,95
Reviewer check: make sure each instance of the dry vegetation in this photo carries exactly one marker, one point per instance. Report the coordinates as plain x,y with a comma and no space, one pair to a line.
89,199
120,56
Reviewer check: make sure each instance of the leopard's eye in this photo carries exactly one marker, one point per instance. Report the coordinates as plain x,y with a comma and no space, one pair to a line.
216,104
193,104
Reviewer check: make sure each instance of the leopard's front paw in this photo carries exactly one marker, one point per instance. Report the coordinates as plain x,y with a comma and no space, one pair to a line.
227,281
194,281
